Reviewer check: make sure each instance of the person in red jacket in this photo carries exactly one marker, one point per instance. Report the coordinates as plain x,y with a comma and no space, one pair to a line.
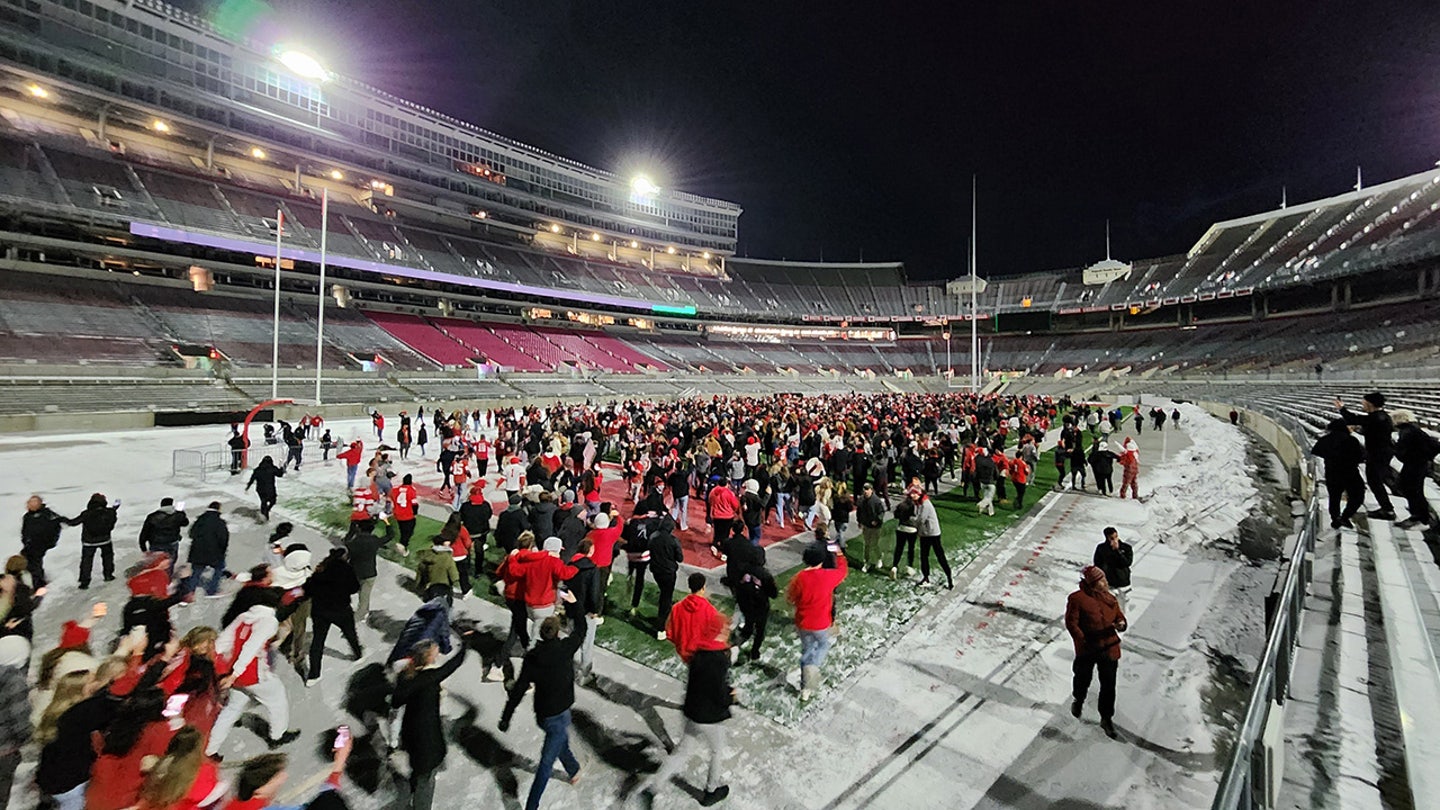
140,731
723,505
686,627
538,573
404,500
604,534
1095,621
1020,477
351,457
812,592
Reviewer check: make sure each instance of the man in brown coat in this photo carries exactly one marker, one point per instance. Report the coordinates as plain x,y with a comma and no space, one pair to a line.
1095,622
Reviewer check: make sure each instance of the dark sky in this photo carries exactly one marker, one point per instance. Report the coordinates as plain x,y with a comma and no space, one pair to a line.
845,128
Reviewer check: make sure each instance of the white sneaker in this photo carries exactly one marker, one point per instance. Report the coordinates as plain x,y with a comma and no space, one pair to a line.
805,695
309,682
599,620
660,636
894,573
909,572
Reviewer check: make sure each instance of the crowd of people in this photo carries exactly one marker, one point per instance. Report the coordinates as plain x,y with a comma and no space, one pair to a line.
162,703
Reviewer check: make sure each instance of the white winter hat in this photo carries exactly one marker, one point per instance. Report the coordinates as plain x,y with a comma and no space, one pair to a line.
14,651
752,486
602,521
553,544
1402,416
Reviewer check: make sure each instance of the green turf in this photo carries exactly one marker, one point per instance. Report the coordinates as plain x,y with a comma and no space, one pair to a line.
871,608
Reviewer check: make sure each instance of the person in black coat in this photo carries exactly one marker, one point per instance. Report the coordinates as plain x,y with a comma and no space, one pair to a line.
1102,463
753,587
209,541
476,513
573,529
263,479
1114,556
1379,448
96,523
1343,456
39,532
1416,450
329,590
550,666
422,732
542,515
708,698
665,558
161,530
511,523
363,546
585,586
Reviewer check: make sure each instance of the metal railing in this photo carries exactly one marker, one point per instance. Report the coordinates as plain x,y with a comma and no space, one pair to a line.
1247,780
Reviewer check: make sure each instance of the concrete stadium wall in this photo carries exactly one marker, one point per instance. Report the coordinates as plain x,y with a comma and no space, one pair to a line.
1291,453
73,422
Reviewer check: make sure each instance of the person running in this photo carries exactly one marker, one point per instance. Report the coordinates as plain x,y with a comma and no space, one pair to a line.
1376,427
1343,456
209,542
242,658
329,589
550,667
708,698
263,479
812,592
422,732
1095,621
753,590
161,530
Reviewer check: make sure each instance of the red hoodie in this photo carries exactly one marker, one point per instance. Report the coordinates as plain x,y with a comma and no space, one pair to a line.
812,592
351,455
537,572
604,540
688,624
723,504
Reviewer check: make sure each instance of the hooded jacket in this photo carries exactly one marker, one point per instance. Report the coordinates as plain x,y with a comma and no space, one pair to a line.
476,513
241,647
1091,618
585,586
435,566
812,592
508,527
40,530
430,622
209,539
536,573
96,522
331,586
665,552
688,624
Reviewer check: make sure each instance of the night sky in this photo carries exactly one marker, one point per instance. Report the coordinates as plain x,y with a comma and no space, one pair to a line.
848,129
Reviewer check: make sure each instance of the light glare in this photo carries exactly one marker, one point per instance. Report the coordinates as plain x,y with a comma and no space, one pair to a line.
643,186
37,91
160,126
304,65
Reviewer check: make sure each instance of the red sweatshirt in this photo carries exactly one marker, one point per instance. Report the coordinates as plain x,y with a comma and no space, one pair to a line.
538,571
687,624
604,540
812,592
723,504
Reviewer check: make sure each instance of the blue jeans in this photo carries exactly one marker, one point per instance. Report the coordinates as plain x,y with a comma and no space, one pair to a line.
754,535
73,799
350,475
781,502
814,644
556,745
212,584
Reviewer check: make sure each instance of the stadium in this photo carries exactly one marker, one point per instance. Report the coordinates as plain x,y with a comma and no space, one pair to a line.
200,229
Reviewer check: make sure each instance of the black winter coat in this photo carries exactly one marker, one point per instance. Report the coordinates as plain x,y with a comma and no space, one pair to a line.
550,665
96,523
209,539
40,530
363,548
509,526
1115,562
665,553
162,528
1343,455
331,587
476,517
542,519
707,690
585,587
1377,427
422,734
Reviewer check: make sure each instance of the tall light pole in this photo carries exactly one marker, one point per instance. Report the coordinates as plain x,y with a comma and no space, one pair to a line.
974,300
320,329
275,337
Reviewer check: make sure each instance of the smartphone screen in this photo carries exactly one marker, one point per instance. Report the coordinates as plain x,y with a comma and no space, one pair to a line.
342,737
175,705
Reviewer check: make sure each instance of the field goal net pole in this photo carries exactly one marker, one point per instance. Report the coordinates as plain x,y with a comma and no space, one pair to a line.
245,429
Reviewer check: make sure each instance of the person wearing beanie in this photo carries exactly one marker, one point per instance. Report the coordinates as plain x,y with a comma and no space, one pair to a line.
708,698
161,530
605,534
209,542
15,728
812,593
403,503
1102,464
1415,449
150,602
1129,460
752,510
1343,456
329,589
477,515
538,572
1095,621
1376,426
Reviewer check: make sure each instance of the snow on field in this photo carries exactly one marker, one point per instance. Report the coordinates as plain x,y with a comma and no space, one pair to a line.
968,708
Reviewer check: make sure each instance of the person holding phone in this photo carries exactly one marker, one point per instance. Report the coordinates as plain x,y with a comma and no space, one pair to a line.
161,530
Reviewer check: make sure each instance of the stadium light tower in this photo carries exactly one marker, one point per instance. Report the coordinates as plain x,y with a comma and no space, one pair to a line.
643,186
303,65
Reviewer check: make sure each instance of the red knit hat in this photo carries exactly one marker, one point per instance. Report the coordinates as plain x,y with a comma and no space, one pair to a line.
72,635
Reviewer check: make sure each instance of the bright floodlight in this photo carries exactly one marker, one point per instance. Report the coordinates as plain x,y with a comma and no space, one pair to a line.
336,174
644,186
303,65
554,228
257,153
159,126
37,91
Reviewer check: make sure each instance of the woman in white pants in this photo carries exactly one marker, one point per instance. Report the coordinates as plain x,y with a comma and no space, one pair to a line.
241,656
